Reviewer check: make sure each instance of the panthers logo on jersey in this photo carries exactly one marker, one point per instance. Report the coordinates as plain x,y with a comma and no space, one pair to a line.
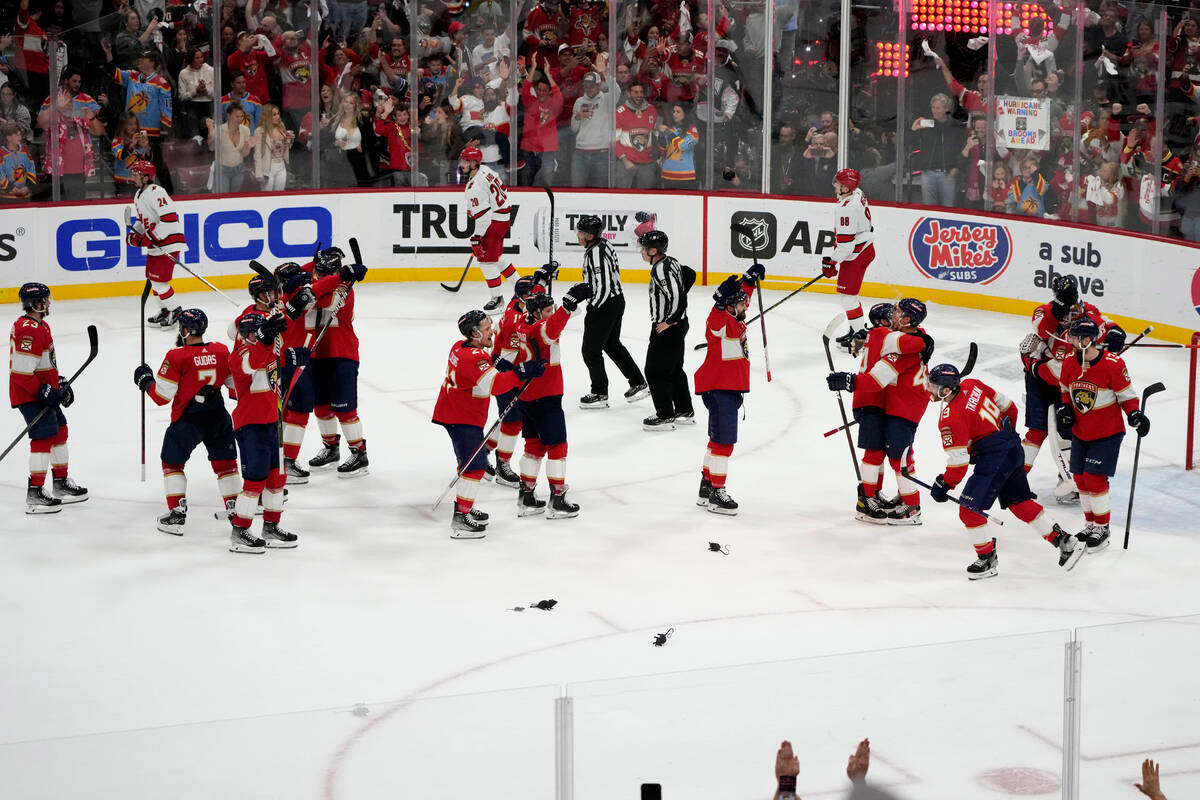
1083,395
639,141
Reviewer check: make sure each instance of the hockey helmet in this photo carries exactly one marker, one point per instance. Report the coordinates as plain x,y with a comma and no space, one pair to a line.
146,168
193,322
34,296
469,323
525,285
249,324
912,308
880,314
590,224
260,285
1065,290
848,178
729,293
471,154
535,302
654,239
290,276
1085,328
942,381
328,261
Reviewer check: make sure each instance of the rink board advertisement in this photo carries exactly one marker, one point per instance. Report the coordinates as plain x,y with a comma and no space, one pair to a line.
993,263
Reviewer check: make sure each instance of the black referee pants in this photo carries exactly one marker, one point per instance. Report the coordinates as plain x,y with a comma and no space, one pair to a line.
602,336
669,387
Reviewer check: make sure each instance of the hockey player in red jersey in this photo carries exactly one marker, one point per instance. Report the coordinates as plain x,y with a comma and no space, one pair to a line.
899,374
265,295
488,207
506,345
977,428
853,251
1095,390
299,305
335,365
1042,353
721,381
462,407
159,229
190,379
255,369
34,386
545,426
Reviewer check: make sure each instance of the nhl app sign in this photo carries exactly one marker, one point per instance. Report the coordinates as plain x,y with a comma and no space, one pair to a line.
960,251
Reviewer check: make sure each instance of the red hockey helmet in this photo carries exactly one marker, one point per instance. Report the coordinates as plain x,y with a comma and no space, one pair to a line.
471,154
848,178
144,168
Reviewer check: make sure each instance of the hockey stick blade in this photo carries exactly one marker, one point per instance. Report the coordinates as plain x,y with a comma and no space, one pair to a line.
972,354
355,251
461,278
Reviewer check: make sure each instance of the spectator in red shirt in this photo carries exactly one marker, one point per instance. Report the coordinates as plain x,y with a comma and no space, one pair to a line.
254,52
539,135
392,126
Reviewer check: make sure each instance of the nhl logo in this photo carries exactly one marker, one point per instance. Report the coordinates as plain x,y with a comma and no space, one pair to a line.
752,234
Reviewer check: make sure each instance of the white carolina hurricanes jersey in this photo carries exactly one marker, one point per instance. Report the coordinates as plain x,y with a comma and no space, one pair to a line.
487,199
156,212
852,227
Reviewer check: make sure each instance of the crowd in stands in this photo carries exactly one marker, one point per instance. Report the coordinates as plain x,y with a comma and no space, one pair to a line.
220,95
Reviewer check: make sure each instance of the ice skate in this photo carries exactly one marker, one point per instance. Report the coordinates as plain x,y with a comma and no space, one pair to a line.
1066,493
463,526
705,491
657,423
984,566
846,340
719,502
505,475
904,514
489,472
243,541
635,393
593,401
686,418
276,537
161,319
39,501
69,491
1097,537
356,464
561,507
1070,549
528,504
296,474
871,509
495,305
173,521
328,457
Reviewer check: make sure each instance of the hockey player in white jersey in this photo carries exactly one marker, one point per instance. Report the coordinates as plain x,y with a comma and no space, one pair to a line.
487,203
156,226
853,252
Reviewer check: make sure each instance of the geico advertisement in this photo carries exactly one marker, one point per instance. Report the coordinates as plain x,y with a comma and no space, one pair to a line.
218,233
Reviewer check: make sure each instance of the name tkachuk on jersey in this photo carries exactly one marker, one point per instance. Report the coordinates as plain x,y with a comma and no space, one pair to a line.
975,412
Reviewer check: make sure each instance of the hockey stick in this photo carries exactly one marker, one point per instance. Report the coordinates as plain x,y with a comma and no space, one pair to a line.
185,268
904,471
462,277
1138,338
551,266
94,345
339,297
1155,344
482,444
142,325
842,409
1153,388
746,232
792,294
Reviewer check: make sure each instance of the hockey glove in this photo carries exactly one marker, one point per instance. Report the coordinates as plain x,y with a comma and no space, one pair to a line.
643,216
1065,415
755,274
1114,340
271,328
1139,422
360,273
296,281
939,490
841,381
208,394
143,377
543,275
502,364
135,239
828,267
858,341
49,395
1059,309
927,350
477,247
299,303
346,273
576,295
296,356
529,370
65,393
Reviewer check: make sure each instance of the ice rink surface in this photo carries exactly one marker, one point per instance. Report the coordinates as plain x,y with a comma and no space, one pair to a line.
111,626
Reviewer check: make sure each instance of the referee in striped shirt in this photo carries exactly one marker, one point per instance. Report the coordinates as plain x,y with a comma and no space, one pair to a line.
602,324
669,387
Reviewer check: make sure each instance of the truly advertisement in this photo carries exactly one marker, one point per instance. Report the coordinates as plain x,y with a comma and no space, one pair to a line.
431,225
960,251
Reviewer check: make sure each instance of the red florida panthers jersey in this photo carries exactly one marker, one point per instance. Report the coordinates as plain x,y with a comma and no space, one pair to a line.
31,360
869,393
505,343
339,341
470,381
1054,334
727,359
976,411
185,371
254,368
900,375
1099,391
540,340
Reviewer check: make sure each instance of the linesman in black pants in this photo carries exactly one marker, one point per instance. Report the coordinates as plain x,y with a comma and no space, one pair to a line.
602,324
669,388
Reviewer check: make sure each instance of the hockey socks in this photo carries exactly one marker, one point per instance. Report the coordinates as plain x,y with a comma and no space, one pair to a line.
556,467
327,424
505,442
716,463
247,503
908,490
58,453
1032,513
494,276
872,472
1093,497
174,484
294,423
531,462
465,489
39,460
1032,444
352,429
162,291
272,496
227,479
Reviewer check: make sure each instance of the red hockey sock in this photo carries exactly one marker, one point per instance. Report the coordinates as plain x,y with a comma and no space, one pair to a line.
294,423
247,503
226,471
167,294
327,425
508,272
556,466
1032,443
531,462
352,428
1101,508
854,313
174,484
908,490
872,473
468,484
39,460
58,453
718,463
